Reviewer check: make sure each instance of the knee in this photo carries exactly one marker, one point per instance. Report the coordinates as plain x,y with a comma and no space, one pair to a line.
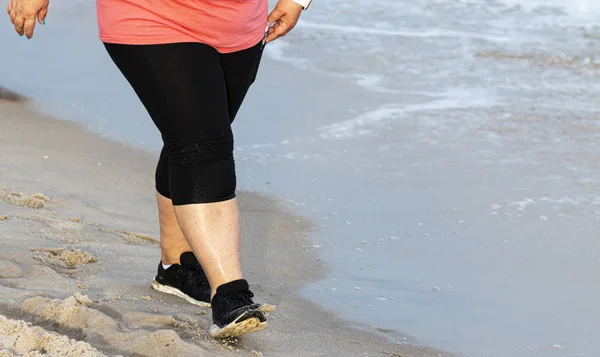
202,171
200,151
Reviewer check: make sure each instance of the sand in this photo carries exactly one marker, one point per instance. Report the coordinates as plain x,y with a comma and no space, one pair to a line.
21,339
80,247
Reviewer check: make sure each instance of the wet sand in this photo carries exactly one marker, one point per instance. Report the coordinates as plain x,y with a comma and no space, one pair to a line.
80,247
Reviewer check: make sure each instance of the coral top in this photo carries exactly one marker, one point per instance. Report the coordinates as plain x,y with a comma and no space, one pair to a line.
227,25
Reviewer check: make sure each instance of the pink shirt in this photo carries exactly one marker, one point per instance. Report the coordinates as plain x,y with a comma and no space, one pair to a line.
227,25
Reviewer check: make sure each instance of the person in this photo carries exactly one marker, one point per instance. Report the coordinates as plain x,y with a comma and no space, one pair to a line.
191,63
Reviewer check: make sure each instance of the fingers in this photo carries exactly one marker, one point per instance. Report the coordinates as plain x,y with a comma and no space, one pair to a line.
19,23
285,16
13,14
29,26
42,15
275,15
279,30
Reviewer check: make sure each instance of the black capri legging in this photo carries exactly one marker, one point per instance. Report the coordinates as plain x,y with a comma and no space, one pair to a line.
192,93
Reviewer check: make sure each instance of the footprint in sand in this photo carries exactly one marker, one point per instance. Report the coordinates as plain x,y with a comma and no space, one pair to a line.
78,313
9,270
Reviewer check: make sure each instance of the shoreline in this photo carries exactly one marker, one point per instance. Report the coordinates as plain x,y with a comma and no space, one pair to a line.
99,192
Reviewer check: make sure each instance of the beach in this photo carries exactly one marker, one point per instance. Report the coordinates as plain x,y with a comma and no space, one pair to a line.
433,162
79,249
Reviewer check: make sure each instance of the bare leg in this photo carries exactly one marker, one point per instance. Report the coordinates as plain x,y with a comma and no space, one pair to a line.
172,241
213,232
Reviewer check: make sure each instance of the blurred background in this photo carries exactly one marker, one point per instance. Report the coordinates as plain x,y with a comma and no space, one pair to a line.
446,151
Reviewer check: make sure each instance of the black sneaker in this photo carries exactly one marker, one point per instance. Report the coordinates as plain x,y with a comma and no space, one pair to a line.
234,312
186,280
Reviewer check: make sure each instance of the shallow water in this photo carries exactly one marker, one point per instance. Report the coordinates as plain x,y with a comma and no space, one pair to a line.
447,150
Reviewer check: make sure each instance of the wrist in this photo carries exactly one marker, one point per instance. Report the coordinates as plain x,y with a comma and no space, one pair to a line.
303,3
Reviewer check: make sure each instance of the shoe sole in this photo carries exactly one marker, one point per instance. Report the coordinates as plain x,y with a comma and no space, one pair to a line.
248,322
171,290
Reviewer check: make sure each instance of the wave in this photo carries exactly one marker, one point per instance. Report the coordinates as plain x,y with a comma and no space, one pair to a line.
372,120
431,33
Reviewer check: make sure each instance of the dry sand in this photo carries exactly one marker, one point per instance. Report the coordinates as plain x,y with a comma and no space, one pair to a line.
79,241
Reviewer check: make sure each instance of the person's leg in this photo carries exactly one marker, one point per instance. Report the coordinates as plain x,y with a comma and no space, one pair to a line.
179,272
240,69
172,240
184,90
213,232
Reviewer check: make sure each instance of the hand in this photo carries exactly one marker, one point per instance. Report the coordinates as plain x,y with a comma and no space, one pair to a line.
286,13
23,14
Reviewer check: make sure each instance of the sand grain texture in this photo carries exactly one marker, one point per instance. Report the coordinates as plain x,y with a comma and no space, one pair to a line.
68,258
37,200
17,338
